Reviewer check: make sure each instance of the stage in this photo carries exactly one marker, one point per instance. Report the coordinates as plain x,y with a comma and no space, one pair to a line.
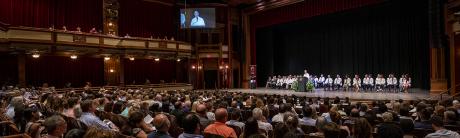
414,94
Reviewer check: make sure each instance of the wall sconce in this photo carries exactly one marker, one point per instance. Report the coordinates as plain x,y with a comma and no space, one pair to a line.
193,67
111,70
106,58
157,59
131,58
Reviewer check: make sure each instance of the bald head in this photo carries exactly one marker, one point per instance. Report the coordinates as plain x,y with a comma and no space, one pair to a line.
201,109
161,122
221,115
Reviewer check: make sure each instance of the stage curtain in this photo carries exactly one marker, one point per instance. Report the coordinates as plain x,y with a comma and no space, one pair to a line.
44,13
143,19
298,11
141,69
384,38
9,69
58,70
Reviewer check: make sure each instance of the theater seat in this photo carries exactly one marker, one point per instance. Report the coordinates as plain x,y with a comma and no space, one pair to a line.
8,128
237,129
421,133
308,129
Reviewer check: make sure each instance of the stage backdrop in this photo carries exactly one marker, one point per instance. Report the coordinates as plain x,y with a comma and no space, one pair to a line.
384,38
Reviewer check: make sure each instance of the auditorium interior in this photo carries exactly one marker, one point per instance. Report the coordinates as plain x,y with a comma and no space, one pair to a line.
262,68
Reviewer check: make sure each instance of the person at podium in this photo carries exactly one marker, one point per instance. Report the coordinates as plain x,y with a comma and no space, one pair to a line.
197,21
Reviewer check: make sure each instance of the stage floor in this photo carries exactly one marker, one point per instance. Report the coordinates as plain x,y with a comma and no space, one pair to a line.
414,94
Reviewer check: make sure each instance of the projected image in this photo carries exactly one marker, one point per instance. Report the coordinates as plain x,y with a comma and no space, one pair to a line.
197,18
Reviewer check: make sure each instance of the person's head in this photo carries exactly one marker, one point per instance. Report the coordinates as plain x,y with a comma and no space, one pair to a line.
235,114
450,116
55,125
136,119
161,123
31,114
201,109
191,124
75,133
291,120
196,13
221,115
88,106
307,111
94,132
335,116
362,128
437,122
387,117
320,123
251,127
118,107
283,108
257,113
404,111
354,112
178,105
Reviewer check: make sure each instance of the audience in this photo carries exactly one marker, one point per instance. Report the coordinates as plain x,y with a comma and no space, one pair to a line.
187,114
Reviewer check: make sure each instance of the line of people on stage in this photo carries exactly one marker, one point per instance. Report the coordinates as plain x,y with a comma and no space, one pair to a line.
368,83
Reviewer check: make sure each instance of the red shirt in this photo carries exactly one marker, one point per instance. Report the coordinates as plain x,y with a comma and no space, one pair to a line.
219,128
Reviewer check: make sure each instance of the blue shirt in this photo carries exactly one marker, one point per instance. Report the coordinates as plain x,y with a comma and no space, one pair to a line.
89,119
307,121
186,135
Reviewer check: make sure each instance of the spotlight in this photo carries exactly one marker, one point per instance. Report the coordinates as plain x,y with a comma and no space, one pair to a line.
193,67
111,70
220,67
73,56
226,66
178,60
35,55
106,58
131,58
157,59
110,24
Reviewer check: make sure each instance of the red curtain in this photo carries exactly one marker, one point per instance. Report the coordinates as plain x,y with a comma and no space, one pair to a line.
141,69
9,69
144,19
58,70
302,10
44,13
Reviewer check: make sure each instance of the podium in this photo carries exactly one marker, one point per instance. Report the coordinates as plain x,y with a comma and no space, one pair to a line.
302,84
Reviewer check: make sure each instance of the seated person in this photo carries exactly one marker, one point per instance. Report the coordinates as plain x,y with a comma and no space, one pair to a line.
366,83
440,131
337,83
219,127
379,82
321,81
346,83
356,83
328,83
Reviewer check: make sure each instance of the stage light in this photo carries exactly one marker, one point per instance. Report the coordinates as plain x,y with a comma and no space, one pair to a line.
157,59
35,55
111,71
193,67
220,67
73,57
131,58
110,24
106,58
178,60
226,66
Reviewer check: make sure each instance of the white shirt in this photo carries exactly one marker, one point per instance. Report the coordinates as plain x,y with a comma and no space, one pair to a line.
306,75
338,81
197,22
321,79
328,81
357,81
366,80
347,82
371,81
380,81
